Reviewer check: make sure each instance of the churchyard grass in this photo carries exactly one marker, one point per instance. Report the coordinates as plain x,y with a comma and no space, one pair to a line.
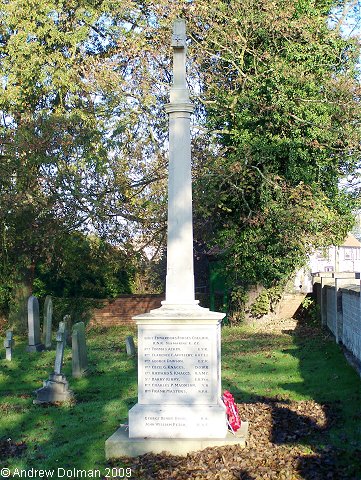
255,364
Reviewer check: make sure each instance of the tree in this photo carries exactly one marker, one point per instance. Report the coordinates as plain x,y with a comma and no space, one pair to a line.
282,103
84,131
73,101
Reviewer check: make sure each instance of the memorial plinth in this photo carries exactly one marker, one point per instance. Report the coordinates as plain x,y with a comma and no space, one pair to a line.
179,405
179,378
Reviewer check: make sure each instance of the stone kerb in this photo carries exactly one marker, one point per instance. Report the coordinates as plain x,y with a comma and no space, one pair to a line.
349,275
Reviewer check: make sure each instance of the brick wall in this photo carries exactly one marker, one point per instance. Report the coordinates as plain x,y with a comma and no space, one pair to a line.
119,311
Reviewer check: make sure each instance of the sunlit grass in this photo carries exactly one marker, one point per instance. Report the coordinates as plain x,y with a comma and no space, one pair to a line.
254,365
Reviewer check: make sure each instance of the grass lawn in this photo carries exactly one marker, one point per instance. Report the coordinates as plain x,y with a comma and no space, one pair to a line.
255,364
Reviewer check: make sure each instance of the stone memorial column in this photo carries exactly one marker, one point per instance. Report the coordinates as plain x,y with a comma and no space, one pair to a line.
179,405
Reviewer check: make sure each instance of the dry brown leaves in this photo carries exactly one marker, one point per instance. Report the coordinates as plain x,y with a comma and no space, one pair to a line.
274,450
270,453
8,448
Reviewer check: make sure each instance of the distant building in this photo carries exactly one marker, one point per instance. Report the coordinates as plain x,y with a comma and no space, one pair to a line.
345,258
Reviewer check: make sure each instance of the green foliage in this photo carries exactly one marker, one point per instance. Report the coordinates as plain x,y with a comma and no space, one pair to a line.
83,134
281,97
236,307
266,301
80,309
18,307
261,305
76,152
311,310
85,266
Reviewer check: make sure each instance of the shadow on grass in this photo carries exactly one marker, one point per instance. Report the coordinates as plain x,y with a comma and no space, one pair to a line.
333,433
70,435
76,433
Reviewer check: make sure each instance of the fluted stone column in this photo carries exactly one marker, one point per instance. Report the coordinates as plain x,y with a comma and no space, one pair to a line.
180,276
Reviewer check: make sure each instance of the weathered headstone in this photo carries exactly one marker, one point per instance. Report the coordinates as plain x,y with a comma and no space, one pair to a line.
56,388
129,345
179,372
79,351
48,317
67,321
35,344
8,344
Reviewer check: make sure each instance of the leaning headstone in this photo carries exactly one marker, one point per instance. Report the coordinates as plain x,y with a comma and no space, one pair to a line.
8,344
79,353
56,388
67,321
48,317
35,344
130,347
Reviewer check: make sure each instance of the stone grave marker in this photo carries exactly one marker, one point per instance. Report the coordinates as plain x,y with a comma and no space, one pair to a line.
129,345
179,407
56,388
67,321
35,344
48,318
79,350
8,344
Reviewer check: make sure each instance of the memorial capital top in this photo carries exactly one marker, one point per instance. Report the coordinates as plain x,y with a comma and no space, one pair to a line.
179,34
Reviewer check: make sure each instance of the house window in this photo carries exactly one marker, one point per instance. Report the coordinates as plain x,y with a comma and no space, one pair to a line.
347,254
323,255
351,253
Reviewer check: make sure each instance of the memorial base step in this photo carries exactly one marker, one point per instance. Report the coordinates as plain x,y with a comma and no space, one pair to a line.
120,445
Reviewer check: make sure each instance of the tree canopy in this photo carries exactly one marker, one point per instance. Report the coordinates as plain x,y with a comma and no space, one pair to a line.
84,133
282,99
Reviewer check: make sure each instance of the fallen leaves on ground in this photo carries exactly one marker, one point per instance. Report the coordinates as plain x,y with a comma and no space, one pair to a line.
270,453
8,448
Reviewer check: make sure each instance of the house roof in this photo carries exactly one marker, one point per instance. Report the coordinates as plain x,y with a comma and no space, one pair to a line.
351,241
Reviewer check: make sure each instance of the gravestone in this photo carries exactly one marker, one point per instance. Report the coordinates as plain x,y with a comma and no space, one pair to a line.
8,344
79,351
67,321
48,318
56,388
179,406
35,344
129,345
